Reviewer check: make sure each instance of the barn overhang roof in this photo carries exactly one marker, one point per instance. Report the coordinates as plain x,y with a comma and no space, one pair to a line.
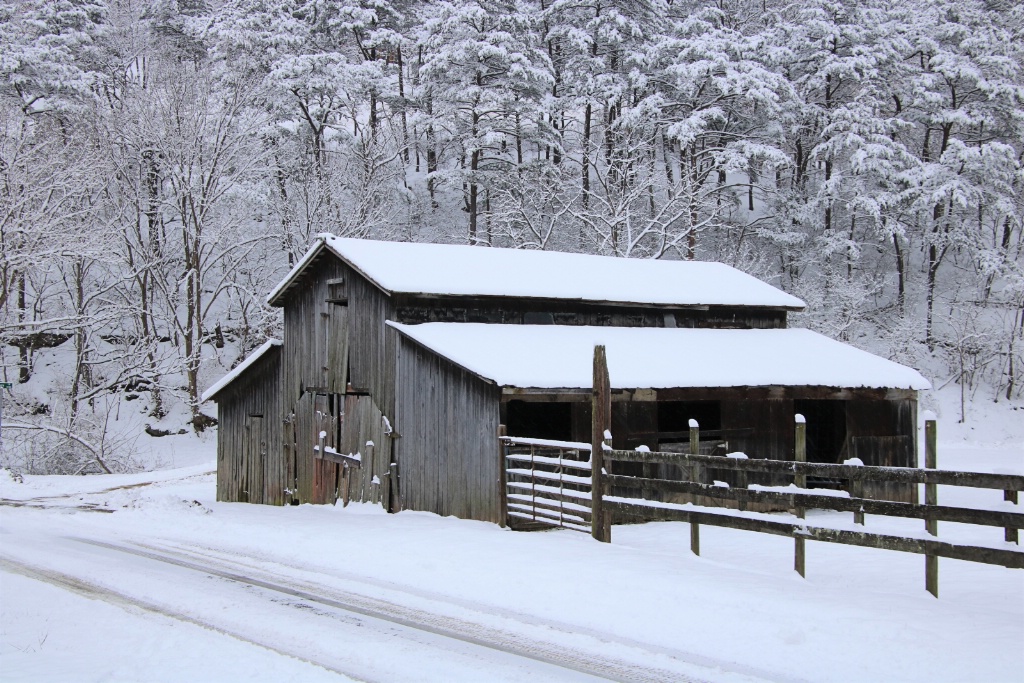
460,270
240,369
556,357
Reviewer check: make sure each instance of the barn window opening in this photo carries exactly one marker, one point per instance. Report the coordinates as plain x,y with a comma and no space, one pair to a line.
674,419
337,293
539,420
538,318
826,428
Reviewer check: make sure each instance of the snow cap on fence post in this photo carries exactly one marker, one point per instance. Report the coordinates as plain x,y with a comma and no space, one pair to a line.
800,419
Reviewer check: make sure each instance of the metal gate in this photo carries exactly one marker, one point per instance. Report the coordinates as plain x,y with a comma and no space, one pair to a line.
547,484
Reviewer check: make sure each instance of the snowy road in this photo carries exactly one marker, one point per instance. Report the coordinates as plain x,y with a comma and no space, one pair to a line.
343,631
147,577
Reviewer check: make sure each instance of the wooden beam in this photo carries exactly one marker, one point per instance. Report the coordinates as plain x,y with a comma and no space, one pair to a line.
337,458
571,394
931,498
995,518
900,475
600,426
1013,559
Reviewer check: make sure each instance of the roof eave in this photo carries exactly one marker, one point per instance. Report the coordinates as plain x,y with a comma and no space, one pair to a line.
241,370
279,293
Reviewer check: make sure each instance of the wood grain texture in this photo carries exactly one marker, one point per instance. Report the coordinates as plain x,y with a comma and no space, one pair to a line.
447,420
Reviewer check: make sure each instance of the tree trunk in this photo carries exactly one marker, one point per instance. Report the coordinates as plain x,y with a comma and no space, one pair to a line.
24,351
901,286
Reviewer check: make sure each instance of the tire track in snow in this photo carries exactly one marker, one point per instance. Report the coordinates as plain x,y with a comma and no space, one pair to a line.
124,601
230,560
587,663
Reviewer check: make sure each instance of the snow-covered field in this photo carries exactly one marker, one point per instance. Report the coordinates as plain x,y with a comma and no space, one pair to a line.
173,586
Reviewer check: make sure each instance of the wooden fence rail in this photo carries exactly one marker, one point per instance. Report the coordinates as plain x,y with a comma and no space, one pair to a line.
800,498
604,505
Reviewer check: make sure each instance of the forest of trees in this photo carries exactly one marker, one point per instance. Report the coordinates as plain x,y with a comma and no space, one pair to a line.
163,163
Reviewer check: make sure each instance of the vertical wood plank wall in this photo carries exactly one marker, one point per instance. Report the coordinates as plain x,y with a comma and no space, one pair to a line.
872,428
249,410
372,344
306,316
330,347
313,330
448,421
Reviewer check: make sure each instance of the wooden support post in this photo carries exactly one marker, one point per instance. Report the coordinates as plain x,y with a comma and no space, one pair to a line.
601,421
694,538
800,455
857,491
606,445
696,470
1011,531
502,478
374,493
394,503
800,557
931,497
346,484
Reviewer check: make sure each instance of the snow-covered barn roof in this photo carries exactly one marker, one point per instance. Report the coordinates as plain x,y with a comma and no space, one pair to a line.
459,270
240,369
561,357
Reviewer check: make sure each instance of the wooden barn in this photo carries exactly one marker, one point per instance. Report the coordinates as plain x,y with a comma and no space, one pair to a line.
405,358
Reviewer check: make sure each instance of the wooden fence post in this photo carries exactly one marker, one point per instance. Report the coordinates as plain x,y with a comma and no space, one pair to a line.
800,455
1011,531
606,445
502,479
857,491
601,420
931,497
695,477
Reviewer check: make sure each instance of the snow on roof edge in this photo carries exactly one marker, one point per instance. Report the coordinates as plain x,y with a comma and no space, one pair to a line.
286,282
336,244
239,369
402,329
886,374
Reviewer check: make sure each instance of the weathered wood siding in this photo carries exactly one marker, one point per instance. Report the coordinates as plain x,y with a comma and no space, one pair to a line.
339,371
365,432
446,451
372,344
306,323
314,365
518,311
249,463
884,433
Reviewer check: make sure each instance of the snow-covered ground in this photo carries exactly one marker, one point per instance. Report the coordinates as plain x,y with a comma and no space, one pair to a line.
174,586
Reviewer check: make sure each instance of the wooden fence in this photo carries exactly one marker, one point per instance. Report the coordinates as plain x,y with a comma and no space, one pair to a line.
801,498
533,493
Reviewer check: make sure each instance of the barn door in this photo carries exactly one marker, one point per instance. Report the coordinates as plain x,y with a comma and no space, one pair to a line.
326,416
337,347
364,433
254,446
